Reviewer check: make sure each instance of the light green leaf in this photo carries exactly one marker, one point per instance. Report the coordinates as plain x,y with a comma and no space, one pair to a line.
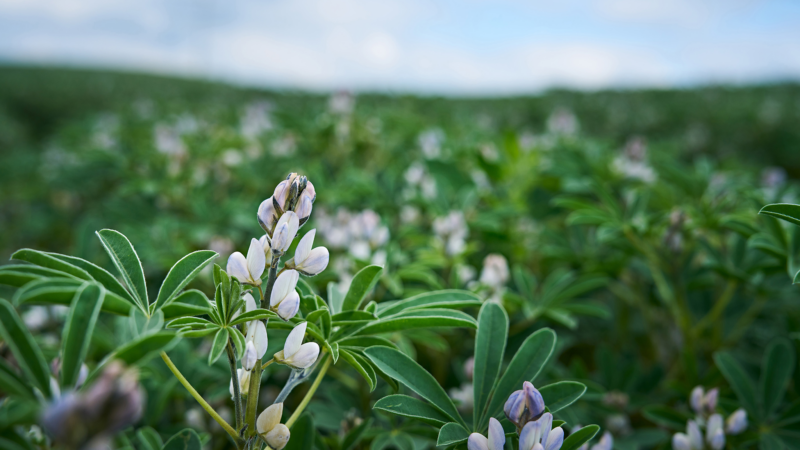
28,355
362,284
739,380
405,370
362,367
335,298
558,396
46,260
580,437
61,291
220,341
783,211
188,321
127,262
78,330
189,303
181,274
256,314
490,346
141,325
449,299
776,371
427,318
184,440
452,434
406,406
525,366
352,317
238,340
99,274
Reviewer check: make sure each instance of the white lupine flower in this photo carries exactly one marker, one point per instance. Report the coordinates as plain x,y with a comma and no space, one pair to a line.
737,422
244,382
249,270
309,261
257,335
691,440
295,354
268,424
496,440
715,434
267,217
495,271
284,298
680,441
266,244
249,357
541,434
285,230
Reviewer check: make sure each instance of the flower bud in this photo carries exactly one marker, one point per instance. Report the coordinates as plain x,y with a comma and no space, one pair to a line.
267,217
737,422
269,418
304,207
681,442
278,437
695,437
524,405
696,399
295,354
244,382
285,231
249,358
717,441
306,260
710,401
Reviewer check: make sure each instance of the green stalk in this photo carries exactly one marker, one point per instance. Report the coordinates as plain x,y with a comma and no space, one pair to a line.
237,396
225,426
310,393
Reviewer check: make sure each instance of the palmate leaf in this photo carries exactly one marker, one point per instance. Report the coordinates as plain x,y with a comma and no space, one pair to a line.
784,211
408,372
406,406
27,353
78,330
181,274
99,274
127,262
490,346
362,284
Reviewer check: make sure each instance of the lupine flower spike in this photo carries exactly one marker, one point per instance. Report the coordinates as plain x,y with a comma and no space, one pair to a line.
295,354
248,270
495,441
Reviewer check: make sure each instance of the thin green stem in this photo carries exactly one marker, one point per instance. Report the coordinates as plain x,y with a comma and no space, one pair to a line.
225,426
266,364
252,400
237,396
311,391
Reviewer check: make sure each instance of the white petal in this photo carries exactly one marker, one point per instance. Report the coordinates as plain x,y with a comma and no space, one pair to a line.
266,214
497,437
249,357
290,305
278,437
237,267
477,442
280,238
294,340
280,192
285,284
249,303
304,206
554,439
316,262
269,418
294,225
304,247
256,260
528,435
695,437
310,192
260,339
547,423
305,356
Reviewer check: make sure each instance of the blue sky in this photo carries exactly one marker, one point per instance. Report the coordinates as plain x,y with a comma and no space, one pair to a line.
459,47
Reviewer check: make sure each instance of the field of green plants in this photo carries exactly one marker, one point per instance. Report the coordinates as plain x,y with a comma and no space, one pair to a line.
190,265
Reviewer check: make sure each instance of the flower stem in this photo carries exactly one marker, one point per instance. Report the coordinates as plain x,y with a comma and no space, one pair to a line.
237,396
266,364
225,426
310,392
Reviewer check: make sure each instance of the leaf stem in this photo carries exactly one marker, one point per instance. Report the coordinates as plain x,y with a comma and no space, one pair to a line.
320,375
225,426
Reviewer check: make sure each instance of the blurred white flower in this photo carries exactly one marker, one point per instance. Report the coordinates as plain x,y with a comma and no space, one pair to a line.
255,119
409,214
168,140
341,103
562,122
232,157
495,271
430,142
452,231
737,422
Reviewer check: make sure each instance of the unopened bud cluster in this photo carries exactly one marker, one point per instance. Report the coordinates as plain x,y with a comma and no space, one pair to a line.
704,404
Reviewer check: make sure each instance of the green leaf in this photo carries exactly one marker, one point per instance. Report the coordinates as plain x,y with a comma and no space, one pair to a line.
427,318
354,436
490,346
580,437
303,433
362,284
405,370
21,274
186,439
61,291
78,330
783,211
189,303
366,341
256,314
334,350
667,417
138,350
335,298
181,274
406,406
28,355
449,299
149,438
99,274
558,396
189,333
352,317
776,372
238,340
739,380
13,384
46,260
769,441
525,366
361,367
141,324
188,321
127,262
452,434
220,341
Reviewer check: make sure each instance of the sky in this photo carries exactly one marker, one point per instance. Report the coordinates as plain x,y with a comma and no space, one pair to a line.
446,47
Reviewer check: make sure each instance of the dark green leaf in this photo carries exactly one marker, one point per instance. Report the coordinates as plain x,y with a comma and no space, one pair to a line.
361,367
490,346
303,433
580,437
21,274
427,318
149,438
362,284
783,211
13,384
127,262
405,370
28,355
61,291
354,436
366,341
739,380
78,330
184,440
352,317
558,396
769,441
181,274
220,342
452,434
98,274
46,260
776,372
449,299
406,406
667,417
